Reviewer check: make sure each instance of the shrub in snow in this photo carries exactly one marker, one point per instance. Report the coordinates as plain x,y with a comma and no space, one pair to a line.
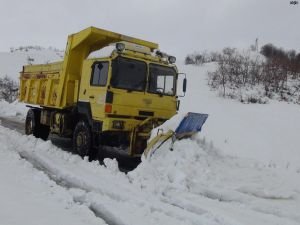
251,78
8,89
200,58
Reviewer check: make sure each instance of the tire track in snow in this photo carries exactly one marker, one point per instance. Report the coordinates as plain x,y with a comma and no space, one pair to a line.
239,206
96,207
105,216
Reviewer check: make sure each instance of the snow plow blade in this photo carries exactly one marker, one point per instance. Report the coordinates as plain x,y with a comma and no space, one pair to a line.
191,124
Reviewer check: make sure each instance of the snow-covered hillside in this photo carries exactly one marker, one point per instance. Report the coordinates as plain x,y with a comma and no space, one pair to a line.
268,133
11,63
243,168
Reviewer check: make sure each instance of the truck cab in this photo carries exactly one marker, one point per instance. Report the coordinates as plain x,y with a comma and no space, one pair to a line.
126,88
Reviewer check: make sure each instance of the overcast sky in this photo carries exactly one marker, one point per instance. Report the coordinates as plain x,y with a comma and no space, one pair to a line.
179,26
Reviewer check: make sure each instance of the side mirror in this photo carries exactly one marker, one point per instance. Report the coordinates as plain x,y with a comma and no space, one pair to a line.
184,85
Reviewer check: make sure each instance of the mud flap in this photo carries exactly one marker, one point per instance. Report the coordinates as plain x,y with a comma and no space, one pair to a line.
191,124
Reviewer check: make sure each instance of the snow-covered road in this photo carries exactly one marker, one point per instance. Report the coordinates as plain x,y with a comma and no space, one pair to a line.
194,184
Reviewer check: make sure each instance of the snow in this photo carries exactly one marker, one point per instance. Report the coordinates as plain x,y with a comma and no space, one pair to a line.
194,184
28,196
268,133
103,52
17,110
243,168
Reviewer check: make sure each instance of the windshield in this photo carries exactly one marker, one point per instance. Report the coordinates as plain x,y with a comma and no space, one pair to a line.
129,74
161,79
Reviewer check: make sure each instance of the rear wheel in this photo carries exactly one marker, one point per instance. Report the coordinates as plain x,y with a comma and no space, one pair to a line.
44,131
82,139
30,123
33,125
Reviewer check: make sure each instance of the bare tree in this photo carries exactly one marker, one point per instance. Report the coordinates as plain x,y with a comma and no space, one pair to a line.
8,89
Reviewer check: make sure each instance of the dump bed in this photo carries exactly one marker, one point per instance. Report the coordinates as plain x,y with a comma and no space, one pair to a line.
39,84
56,85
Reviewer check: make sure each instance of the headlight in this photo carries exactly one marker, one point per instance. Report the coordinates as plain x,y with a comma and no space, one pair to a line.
172,59
120,47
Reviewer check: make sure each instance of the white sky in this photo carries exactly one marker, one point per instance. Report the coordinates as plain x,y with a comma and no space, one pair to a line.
179,26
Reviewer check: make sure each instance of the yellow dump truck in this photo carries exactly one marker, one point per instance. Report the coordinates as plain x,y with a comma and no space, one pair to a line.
110,101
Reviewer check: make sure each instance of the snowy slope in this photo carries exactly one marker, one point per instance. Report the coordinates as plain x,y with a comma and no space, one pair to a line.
11,63
268,133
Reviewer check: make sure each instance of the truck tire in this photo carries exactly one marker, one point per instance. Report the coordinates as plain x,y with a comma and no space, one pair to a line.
82,138
44,132
33,125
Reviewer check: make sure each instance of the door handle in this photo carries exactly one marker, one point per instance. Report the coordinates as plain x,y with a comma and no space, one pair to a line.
92,96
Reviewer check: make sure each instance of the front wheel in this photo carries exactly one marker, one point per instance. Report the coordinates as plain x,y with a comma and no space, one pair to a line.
82,138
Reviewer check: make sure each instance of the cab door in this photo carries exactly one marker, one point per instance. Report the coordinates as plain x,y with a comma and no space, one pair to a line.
98,87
